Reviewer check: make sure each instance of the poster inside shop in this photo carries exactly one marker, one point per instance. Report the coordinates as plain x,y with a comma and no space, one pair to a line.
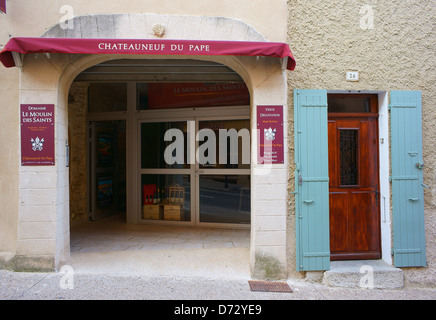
37,135
270,135
104,191
105,148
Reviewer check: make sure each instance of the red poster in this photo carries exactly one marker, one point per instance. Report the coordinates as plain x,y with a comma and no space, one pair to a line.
3,5
37,135
270,134
195,95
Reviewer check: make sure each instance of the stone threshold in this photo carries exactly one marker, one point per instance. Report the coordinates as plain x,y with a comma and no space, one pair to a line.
365,274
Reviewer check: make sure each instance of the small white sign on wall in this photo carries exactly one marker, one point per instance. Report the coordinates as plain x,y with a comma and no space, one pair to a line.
352,75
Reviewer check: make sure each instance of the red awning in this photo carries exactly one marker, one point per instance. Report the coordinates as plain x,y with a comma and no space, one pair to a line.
3,5
144,46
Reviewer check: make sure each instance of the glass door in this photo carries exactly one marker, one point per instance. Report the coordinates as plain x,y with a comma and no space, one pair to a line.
166,176
223,171
195,171
107,168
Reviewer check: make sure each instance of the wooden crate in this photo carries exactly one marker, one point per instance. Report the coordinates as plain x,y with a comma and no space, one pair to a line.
176,194
152,212
173,212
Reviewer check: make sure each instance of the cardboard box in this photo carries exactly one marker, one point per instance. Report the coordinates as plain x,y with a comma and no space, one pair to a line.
152,212
173,212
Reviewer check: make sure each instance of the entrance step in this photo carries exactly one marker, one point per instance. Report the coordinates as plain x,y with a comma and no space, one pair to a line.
369,274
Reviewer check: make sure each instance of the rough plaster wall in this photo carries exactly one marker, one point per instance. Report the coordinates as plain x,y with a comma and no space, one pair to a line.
397,53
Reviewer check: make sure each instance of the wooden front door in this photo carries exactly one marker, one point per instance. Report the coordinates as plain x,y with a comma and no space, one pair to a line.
354,186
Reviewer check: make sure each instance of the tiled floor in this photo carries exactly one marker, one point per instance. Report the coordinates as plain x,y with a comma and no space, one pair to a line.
111,234
114,247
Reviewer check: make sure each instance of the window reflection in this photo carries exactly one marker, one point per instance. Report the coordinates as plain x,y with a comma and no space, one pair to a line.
153,145
107,97
225,198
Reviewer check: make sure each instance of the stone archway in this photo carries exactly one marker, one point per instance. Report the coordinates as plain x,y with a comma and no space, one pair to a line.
267,85
149,26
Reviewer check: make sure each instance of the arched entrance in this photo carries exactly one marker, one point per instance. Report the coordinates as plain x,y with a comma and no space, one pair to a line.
266,82
167,105
190,151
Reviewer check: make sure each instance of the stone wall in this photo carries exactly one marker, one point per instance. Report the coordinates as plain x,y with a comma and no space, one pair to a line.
78,142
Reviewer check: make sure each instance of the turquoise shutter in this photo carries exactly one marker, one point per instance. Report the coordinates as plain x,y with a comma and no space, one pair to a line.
407,179
311,180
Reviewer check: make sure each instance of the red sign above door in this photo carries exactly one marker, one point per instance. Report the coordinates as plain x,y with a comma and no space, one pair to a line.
195,95
37,135
270,134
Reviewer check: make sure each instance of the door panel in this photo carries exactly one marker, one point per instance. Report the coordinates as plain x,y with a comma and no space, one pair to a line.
362,234
353,172
338,221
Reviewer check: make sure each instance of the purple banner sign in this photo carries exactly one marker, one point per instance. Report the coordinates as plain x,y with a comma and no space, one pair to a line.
270,134
37,135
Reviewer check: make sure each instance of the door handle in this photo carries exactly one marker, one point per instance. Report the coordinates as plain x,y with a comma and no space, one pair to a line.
308,201
413,199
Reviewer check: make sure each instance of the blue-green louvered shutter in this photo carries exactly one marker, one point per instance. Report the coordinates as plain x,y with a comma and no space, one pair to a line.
311,180
407,179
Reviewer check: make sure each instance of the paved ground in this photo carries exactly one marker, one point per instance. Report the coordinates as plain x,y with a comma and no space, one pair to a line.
197,267
85,286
